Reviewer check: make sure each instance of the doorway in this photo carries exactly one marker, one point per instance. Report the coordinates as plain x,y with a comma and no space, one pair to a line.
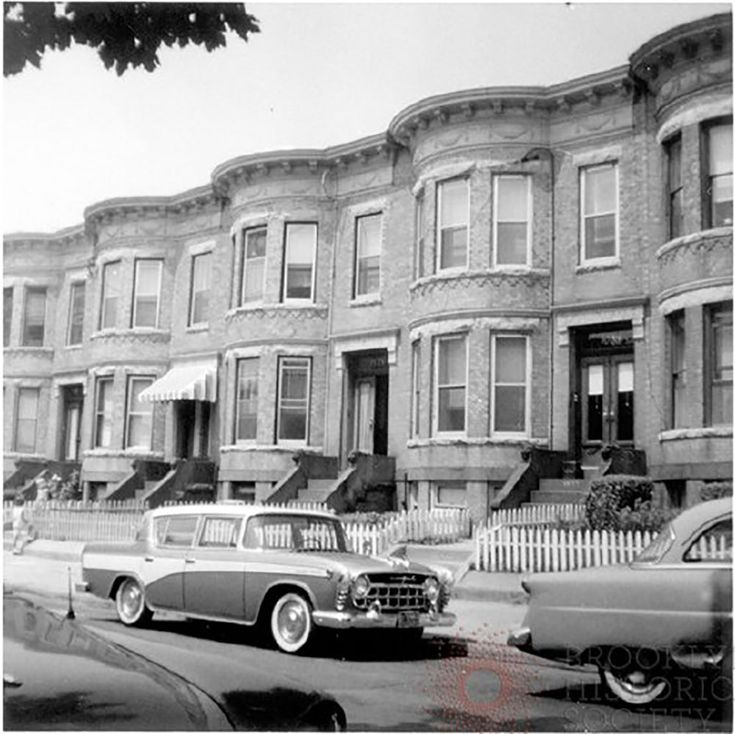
71,422
367,410
192,419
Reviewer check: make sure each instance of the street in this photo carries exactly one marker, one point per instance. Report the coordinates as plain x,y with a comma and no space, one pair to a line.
464,678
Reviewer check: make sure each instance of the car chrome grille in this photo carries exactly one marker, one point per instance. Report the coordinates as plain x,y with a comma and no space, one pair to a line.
395,593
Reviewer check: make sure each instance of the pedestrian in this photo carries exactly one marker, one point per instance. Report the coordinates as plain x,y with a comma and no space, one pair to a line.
21,525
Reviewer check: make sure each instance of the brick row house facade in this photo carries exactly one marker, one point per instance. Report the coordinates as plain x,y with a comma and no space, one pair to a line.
503,268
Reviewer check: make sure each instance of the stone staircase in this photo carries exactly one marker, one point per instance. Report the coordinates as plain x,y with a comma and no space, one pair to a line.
560,491
317,490
140,493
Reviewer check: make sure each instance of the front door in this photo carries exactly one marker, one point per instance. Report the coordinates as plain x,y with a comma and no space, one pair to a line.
73,401
607,401
364,414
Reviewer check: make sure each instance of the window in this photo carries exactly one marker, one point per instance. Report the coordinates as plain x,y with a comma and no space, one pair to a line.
244,492
718,364
677,337
34,317
220,532
76,313
599,188
451,494
419,255
415,387
138,415
299,262
714,545
293,398
717,207
247,399
674,187
451,384
175,531
201,279
367,255
147,287
512,233
253,265
110,295
453,217
103,413
7,315
510,382
26,420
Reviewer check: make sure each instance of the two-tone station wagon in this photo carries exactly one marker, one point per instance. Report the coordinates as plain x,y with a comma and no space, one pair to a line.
289,570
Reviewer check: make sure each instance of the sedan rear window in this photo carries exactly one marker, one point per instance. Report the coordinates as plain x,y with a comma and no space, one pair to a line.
713,545
658,547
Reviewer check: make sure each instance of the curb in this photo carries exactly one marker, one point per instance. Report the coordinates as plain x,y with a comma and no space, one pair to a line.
55,554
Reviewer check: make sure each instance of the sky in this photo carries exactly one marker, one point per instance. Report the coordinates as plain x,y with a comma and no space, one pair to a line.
316,75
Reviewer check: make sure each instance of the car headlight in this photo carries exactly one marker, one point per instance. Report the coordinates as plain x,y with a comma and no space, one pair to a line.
360,587
431,589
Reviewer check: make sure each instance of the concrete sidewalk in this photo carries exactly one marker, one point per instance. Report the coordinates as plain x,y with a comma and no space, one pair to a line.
455,557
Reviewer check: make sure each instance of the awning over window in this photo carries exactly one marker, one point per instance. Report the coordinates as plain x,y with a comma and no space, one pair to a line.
190,381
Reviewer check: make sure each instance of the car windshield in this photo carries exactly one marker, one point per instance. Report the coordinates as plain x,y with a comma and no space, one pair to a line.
656,549
294,533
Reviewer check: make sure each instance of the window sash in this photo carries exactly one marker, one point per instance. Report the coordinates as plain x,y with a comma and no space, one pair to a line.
103,413
450,379
512,220
34,317
675,187
677,336
451,494
415,388
110,294
718,396
253,264
75,333
7,315
453,223
510,394
420,243
147,293
26,420
299,261
246,418
367,277
718,176
599,212
138,414
294,382
201,276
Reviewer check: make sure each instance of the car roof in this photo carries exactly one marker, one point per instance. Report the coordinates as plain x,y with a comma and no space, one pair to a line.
235,509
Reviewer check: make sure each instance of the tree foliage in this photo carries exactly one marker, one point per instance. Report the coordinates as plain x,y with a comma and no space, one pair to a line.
124,34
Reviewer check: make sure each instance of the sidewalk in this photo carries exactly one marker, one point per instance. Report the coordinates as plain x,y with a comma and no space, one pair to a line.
455,557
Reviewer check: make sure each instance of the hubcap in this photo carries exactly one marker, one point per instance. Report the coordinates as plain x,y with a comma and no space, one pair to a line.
292,621
131,599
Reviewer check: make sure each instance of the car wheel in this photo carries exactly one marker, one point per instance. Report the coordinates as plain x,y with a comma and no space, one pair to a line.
291,622
130,604
633,686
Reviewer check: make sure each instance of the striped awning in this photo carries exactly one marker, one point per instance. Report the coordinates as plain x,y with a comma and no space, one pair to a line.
190,381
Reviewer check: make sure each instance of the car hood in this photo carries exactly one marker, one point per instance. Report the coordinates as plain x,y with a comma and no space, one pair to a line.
352,564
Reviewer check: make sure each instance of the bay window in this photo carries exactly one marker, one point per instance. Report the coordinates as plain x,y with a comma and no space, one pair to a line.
450,384
717,209
26,420
110,294
510,370
253,265
718,364
300,253
294,377
512,220
452,223
138,414
246,418
146,294
103,413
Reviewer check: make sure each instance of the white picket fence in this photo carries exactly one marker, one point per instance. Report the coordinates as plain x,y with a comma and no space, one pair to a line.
530,549
537,514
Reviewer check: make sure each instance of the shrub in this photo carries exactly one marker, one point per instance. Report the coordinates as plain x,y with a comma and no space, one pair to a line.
715,490
643,516
609,495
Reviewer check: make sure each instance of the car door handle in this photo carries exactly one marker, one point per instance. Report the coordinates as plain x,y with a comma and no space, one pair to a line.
148,559
190,560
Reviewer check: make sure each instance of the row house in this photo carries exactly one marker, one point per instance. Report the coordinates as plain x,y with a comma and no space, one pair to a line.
536,269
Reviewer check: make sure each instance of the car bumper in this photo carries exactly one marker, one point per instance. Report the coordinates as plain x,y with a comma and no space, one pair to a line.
81,586
369,620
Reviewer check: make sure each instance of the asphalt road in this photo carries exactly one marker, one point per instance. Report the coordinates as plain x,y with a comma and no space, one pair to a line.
459,679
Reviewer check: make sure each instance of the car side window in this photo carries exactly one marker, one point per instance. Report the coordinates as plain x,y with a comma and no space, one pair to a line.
713,545
220,532
175,531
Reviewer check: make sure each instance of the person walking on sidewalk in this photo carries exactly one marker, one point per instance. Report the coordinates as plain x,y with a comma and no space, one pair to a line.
21,525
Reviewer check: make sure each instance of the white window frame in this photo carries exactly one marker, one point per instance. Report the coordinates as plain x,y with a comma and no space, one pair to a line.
286,298
238,362
438,254
129,413
419,254
36,392
356,295
609,259
415,388
100,414
135,291
75,284
497,179
104,297
243,264
438,340
33,289
527,385
192,293
282,360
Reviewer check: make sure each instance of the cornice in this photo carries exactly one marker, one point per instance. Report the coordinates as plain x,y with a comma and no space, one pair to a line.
67,236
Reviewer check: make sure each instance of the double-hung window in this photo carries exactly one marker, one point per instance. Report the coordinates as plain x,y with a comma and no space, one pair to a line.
450,384
512,220
717,208
415,387
419,253
452,223
510,376
718,364
677,341
300,253
110,294
253,264
599,212
201,284
7,315
26,420
34,317
294,377
674,186
75,331
367,255
103,413
138,415
147,293
246,420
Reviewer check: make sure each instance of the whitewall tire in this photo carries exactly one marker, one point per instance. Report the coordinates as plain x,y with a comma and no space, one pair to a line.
130,603
291,624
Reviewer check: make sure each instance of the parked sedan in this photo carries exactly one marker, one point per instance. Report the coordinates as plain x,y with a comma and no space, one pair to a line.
648,623
287,570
